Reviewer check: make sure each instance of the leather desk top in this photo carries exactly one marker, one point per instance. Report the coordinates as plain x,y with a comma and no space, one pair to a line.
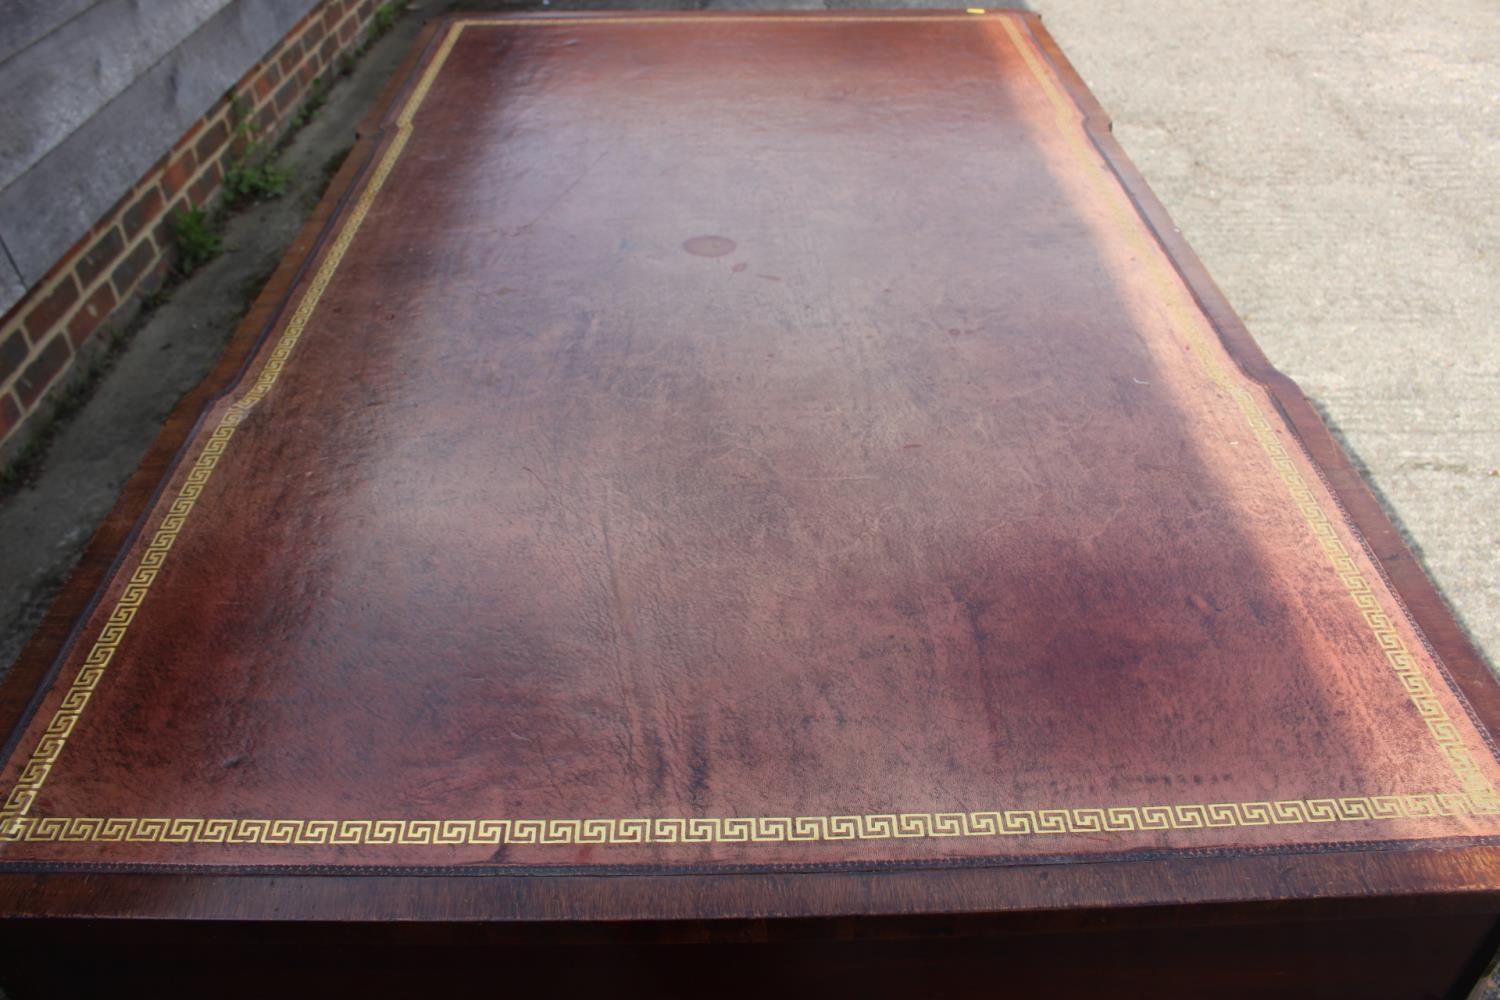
740,443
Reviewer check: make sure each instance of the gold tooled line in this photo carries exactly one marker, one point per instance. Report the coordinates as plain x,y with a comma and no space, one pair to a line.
50,746
734,829
16,824
1439,725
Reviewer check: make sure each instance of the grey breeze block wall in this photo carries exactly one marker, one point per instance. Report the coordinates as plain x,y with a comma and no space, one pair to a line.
93,92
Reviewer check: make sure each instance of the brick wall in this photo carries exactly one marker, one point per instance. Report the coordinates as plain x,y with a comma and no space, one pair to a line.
102,279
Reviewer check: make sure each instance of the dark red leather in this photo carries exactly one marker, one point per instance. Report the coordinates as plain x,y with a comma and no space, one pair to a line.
746,418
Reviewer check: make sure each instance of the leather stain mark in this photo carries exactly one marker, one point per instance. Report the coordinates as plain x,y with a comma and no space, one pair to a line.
709,246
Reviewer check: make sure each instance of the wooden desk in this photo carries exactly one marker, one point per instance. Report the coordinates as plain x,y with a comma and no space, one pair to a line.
754,501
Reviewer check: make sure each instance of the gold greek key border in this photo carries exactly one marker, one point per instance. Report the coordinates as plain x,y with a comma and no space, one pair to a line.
1479,796
735,829
28,786
1185,316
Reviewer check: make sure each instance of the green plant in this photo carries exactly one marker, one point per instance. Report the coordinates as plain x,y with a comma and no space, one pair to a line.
240,107
196,239
316,95
256,177
255,174
385,17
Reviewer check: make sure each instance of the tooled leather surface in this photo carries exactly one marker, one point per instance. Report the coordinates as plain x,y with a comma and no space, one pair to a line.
741,420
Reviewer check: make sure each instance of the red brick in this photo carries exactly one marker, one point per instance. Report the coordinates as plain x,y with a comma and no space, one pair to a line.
10,414
100,256
325,54
267,81
236,149
346,32
133,266
64,264
213,139
162,234
13,354
44,368
186,139
366,10
178,173
313,36
331,16
265,118
156,277
94,312
141,214
50,310
202,191
289,56
246,81
288,94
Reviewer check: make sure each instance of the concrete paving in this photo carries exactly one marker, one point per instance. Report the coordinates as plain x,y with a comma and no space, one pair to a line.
45,527
1336,165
